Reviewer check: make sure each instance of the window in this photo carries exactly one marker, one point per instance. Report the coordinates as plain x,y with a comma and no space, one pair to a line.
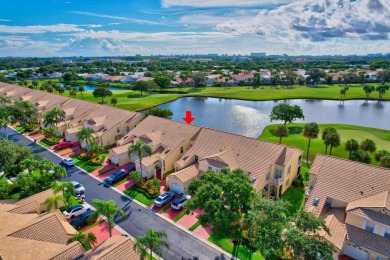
181,150
328,202
278,174
128,128
386,232
370,227
312,184
289,169
266,187
118,129
267,176
196,158
210,168
288,182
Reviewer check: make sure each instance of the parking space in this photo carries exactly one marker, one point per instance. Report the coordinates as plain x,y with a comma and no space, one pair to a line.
171,213
101,232
189,220
204,232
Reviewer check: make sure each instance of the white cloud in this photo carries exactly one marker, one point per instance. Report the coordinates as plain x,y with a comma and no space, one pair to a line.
5,20
220,3
318,20
134,20
33,29
114,23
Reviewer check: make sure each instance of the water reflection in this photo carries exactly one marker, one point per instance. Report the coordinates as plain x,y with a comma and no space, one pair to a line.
250,117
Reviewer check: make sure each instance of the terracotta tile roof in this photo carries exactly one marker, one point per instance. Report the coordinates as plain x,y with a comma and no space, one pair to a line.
226,157
31,204
251,155
368,240
116,247
381,200
187,173
15,92
371,214
10,221
161,132
75,108
335,221
73,250
49,227
121,149
335,174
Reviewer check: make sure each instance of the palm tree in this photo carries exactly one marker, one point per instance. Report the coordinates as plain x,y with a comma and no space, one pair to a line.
95,148
29,164
49,119
107,209
382,90
73,93
368,145
281,131
61,91
352,146
85,134
136,176
4,100
5,120
86,240
81,90
63,187
59,172
58,114
324,133
368,89
332,139
54,202
114,101
152,240
138,148
310,131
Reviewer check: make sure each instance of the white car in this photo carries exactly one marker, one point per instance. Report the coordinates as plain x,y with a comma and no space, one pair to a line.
180,202
78,187
68,162
74,211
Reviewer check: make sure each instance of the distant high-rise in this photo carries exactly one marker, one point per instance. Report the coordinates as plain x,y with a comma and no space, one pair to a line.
258,54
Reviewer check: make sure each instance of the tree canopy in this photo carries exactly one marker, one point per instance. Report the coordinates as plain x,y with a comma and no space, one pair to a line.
286,113
102,92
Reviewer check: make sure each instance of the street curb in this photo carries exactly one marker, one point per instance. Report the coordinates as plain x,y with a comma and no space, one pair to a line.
139,203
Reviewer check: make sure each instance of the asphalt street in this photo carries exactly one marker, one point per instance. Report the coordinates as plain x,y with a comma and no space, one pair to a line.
182,244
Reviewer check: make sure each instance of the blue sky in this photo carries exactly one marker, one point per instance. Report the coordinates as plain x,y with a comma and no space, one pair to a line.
128,27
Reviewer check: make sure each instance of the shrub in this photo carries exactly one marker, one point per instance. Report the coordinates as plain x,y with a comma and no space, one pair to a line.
144,192
52,140
96,161
154,185
31,127
85,156
297,182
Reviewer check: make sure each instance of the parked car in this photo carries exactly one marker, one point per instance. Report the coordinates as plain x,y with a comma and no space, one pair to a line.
130,168
164,199
78,187
116,176
180,202
63,145
75,211
68,162
82,220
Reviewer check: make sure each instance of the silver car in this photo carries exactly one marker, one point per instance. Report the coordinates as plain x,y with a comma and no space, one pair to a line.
78,187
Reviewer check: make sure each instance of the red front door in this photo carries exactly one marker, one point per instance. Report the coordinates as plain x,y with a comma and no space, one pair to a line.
158,174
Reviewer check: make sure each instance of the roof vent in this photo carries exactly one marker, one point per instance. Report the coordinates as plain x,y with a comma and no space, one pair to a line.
167,151
361,193
185,158
253,179
316,201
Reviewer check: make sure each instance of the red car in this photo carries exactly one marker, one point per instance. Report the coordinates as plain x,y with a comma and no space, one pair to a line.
63,145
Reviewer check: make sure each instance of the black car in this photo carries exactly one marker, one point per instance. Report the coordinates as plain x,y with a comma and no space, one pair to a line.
116,176
82,220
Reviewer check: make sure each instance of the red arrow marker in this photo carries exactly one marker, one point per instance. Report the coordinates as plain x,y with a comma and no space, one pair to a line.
188,117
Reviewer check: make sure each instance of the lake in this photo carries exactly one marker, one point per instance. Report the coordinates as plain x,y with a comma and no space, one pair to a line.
91,87
249,118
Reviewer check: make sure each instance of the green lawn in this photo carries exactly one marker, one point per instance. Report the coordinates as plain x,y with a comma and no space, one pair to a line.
296,139
20,128
85,164
295,196
241,252
44,144
195,226
139,196
164,209
132,100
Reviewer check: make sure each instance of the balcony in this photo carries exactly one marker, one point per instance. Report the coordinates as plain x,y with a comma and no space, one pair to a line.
277,181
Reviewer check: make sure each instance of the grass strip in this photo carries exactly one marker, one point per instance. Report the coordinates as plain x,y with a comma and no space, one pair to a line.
176,219
164,209
139,196
195,226
91,226
113,168
44,144
120,182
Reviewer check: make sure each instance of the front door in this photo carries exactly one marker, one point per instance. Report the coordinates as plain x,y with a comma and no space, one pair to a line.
158,174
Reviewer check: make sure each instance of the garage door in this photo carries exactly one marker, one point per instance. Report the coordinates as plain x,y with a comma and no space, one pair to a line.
177,188
114,160
355,253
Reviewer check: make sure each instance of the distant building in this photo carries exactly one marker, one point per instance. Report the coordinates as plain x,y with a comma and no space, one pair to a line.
258,54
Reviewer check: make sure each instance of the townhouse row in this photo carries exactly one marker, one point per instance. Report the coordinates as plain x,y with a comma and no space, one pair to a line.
184,151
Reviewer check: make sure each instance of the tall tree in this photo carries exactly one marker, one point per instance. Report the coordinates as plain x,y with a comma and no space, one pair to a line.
382,90
54,116
368,90
81,90
332,138
286,113
107,209
54,202
156,111
383,157
138,148
368,145
114,101
102,92
86,240
5,120
324,133
63,187
225,198
4,100
153,241
162,81
85,134
310,131
281,131
351,146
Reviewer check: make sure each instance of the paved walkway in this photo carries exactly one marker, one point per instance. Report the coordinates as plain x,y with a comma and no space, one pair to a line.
189,220
203,232
101,232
